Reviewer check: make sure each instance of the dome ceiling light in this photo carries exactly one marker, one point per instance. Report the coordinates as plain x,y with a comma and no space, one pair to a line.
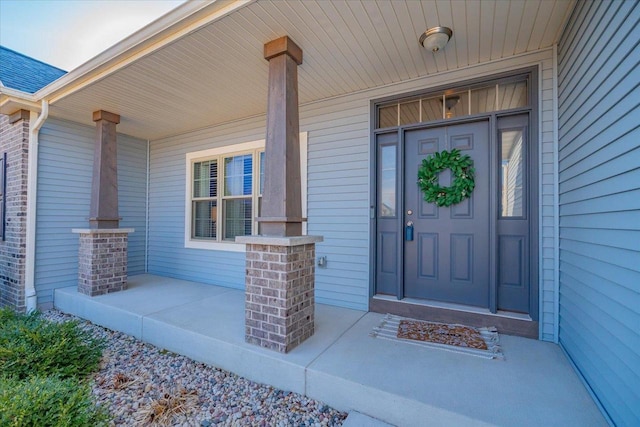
436,38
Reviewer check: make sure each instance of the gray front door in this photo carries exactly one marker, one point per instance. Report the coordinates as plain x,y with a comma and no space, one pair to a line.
448,257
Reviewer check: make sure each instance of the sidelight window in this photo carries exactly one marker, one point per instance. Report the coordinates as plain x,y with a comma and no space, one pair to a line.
512,173
387,184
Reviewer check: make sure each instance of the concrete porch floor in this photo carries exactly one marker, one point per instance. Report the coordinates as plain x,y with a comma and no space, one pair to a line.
343,366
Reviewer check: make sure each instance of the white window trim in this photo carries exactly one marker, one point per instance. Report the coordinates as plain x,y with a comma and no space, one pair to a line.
192,157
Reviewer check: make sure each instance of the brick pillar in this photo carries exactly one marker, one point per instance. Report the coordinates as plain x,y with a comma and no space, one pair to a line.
102,256
102,260
280,276
279,290
14,141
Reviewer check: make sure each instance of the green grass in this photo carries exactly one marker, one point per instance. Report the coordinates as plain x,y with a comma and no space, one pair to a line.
44,370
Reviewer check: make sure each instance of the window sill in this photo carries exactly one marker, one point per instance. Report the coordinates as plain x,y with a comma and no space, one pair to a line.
215,246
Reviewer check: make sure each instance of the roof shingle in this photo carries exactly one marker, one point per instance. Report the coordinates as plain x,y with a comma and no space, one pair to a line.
20,72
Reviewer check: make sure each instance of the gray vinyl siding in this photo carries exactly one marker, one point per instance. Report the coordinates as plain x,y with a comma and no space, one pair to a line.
547,141
337,202
599,186
338,191
167,253
338,197
65,162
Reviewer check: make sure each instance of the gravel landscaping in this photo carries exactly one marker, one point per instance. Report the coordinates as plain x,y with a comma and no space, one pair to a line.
141,384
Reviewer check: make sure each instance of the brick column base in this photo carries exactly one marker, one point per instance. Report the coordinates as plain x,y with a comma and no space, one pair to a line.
279,290
102,260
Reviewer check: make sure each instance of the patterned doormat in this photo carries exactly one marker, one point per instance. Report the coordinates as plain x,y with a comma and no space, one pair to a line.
481,342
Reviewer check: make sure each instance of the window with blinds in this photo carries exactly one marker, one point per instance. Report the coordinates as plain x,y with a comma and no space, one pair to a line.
205,200
223,196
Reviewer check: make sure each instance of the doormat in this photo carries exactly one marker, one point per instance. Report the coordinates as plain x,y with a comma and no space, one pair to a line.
481,342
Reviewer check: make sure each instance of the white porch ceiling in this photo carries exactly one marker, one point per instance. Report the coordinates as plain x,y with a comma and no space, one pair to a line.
217,73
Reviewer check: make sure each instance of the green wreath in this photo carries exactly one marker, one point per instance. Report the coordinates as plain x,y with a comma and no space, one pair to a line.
463,183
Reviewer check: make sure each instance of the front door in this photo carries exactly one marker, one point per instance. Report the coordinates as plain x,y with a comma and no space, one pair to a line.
446,257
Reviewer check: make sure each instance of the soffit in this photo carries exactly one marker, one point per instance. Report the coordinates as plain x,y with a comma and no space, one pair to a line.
217,74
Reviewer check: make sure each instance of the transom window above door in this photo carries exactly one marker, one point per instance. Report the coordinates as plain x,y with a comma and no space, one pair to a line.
455,102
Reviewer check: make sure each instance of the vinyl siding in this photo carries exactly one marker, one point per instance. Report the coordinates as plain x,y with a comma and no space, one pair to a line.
547,140
167,254
599,167
65,163
338,190
338,200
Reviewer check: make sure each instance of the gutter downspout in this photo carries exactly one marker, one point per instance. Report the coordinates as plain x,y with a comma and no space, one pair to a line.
556,201
32,188
146,213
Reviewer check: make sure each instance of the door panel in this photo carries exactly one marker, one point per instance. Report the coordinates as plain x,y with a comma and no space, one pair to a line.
428,255
388,251
513,225
448,260
462,257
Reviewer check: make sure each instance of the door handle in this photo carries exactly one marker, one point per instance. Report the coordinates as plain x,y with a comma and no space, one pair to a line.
408,231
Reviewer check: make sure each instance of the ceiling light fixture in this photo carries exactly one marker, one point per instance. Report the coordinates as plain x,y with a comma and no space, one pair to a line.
449,102
436,38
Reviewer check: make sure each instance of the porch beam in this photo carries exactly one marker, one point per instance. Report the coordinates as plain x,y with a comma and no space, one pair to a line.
282,201
104,189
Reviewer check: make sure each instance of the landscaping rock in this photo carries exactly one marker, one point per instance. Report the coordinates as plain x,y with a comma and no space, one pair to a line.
142,384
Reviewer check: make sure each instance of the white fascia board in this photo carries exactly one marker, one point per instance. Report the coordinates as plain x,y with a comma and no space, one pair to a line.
12,100
183,20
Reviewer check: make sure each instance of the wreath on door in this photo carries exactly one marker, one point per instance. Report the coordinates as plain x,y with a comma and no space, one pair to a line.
463,183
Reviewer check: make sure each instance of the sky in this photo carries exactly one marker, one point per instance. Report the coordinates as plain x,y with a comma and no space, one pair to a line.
67,33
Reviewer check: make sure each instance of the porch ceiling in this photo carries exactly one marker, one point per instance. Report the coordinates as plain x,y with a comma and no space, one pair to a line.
217,73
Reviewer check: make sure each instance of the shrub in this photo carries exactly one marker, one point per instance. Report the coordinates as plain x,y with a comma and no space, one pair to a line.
30,345
50,401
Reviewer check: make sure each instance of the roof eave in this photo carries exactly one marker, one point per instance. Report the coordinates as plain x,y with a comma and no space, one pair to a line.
183,20
12,100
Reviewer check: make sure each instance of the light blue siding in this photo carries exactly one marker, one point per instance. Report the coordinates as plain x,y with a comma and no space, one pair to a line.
599,152
167,253
337,192
65,163
337,201
338,197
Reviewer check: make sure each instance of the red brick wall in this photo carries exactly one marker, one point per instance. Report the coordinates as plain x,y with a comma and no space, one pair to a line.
279,291
102,262
14,140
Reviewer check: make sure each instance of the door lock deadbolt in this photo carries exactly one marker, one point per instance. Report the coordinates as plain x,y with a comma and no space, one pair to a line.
408,231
